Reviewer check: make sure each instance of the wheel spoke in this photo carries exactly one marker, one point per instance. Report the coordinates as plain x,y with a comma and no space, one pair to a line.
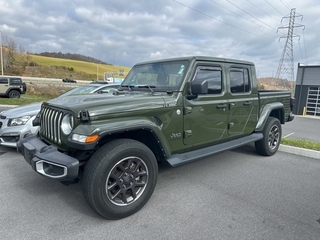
124,197
137,167
112,185
133,193
142,173
122,168
116,194
140,184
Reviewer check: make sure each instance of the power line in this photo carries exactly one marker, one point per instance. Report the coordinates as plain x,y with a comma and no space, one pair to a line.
274,8
263,11
251,15
305,50
301,56
207,15
286,5
240,15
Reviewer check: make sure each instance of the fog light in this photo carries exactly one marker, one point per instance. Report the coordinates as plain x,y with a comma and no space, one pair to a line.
50,169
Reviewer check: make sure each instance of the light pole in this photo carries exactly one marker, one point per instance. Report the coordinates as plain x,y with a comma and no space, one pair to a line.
1,53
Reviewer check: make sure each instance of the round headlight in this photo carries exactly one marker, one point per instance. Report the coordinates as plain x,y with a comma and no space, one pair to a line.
67,124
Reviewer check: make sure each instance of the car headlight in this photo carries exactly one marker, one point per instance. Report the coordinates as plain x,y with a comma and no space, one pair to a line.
67,124
18,121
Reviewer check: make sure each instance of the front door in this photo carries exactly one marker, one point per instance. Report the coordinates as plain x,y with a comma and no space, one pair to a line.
206,117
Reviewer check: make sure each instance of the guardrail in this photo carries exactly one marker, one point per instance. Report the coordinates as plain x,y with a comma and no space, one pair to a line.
49,81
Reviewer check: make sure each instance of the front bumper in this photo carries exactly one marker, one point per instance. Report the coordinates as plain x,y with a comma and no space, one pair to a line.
9,136
47,160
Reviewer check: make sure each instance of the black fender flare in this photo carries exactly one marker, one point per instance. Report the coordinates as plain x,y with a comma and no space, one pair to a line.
266,112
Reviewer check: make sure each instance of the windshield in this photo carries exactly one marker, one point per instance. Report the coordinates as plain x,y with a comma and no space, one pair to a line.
159,76
80,90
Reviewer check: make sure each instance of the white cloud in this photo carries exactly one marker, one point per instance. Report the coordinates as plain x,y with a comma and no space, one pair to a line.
6,28
126,32
156,54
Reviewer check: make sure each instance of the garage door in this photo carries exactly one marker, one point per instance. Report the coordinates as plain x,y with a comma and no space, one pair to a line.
313,101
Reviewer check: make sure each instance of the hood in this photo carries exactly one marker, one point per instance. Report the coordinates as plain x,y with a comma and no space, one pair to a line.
24,110
101,104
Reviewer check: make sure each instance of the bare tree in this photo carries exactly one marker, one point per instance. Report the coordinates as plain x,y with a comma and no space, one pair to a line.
22,50
8,54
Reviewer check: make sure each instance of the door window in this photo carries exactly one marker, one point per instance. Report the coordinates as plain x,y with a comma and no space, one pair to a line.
213,75
239,80
3,81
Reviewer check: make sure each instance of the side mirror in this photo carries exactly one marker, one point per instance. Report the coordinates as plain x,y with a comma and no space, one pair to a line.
199,87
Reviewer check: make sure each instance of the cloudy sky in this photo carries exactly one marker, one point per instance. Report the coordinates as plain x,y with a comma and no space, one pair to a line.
124,32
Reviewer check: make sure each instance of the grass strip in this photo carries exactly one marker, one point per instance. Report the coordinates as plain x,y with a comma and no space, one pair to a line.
301,143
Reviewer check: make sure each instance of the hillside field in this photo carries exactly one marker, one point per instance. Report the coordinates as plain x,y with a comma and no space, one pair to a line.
41,66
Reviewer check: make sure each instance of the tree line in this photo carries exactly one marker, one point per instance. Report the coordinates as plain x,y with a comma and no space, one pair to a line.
16,58
71,56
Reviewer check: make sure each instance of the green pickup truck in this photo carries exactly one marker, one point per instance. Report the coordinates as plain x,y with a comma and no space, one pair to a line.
174,110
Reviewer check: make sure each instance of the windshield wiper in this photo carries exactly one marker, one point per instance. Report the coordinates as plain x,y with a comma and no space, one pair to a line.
127,86
147,86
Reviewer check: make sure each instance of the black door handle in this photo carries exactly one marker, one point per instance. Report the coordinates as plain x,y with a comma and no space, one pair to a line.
221,106
247,103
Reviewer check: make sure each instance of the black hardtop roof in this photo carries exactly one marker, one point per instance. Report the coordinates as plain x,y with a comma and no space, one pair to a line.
199,58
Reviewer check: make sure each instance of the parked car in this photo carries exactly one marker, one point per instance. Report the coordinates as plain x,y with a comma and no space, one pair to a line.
12,87
69,80
16,123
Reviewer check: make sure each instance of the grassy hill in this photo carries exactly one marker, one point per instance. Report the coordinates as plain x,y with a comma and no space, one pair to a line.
41,66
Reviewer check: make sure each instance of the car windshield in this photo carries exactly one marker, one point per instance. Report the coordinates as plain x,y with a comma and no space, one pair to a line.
162,76
80,90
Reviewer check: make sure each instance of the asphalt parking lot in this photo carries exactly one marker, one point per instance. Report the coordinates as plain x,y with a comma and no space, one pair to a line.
303,127
233,195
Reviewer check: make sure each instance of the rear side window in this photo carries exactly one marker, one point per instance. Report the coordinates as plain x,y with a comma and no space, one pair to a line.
213,75
239,80
3,81
15,81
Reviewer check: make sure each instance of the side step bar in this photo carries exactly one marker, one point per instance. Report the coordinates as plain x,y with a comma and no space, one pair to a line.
179,159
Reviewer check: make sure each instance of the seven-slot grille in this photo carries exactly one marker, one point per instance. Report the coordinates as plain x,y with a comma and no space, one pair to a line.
50,124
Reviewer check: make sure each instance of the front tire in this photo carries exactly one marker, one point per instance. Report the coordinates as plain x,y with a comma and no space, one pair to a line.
120,178
270,142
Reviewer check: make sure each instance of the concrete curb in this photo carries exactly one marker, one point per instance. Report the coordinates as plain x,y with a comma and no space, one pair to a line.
300,151
1,105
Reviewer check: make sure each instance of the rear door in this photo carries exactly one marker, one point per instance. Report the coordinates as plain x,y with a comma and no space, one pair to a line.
206,116
243,100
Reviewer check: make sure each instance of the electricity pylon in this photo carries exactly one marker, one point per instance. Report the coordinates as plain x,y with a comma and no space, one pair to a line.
286,67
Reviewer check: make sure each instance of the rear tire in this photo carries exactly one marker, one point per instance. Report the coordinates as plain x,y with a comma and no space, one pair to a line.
14,94
120,178
270,142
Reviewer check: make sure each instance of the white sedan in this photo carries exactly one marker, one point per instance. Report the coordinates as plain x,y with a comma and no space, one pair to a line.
16,123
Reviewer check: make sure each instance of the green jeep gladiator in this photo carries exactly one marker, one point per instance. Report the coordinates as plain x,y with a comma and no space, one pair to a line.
175,110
